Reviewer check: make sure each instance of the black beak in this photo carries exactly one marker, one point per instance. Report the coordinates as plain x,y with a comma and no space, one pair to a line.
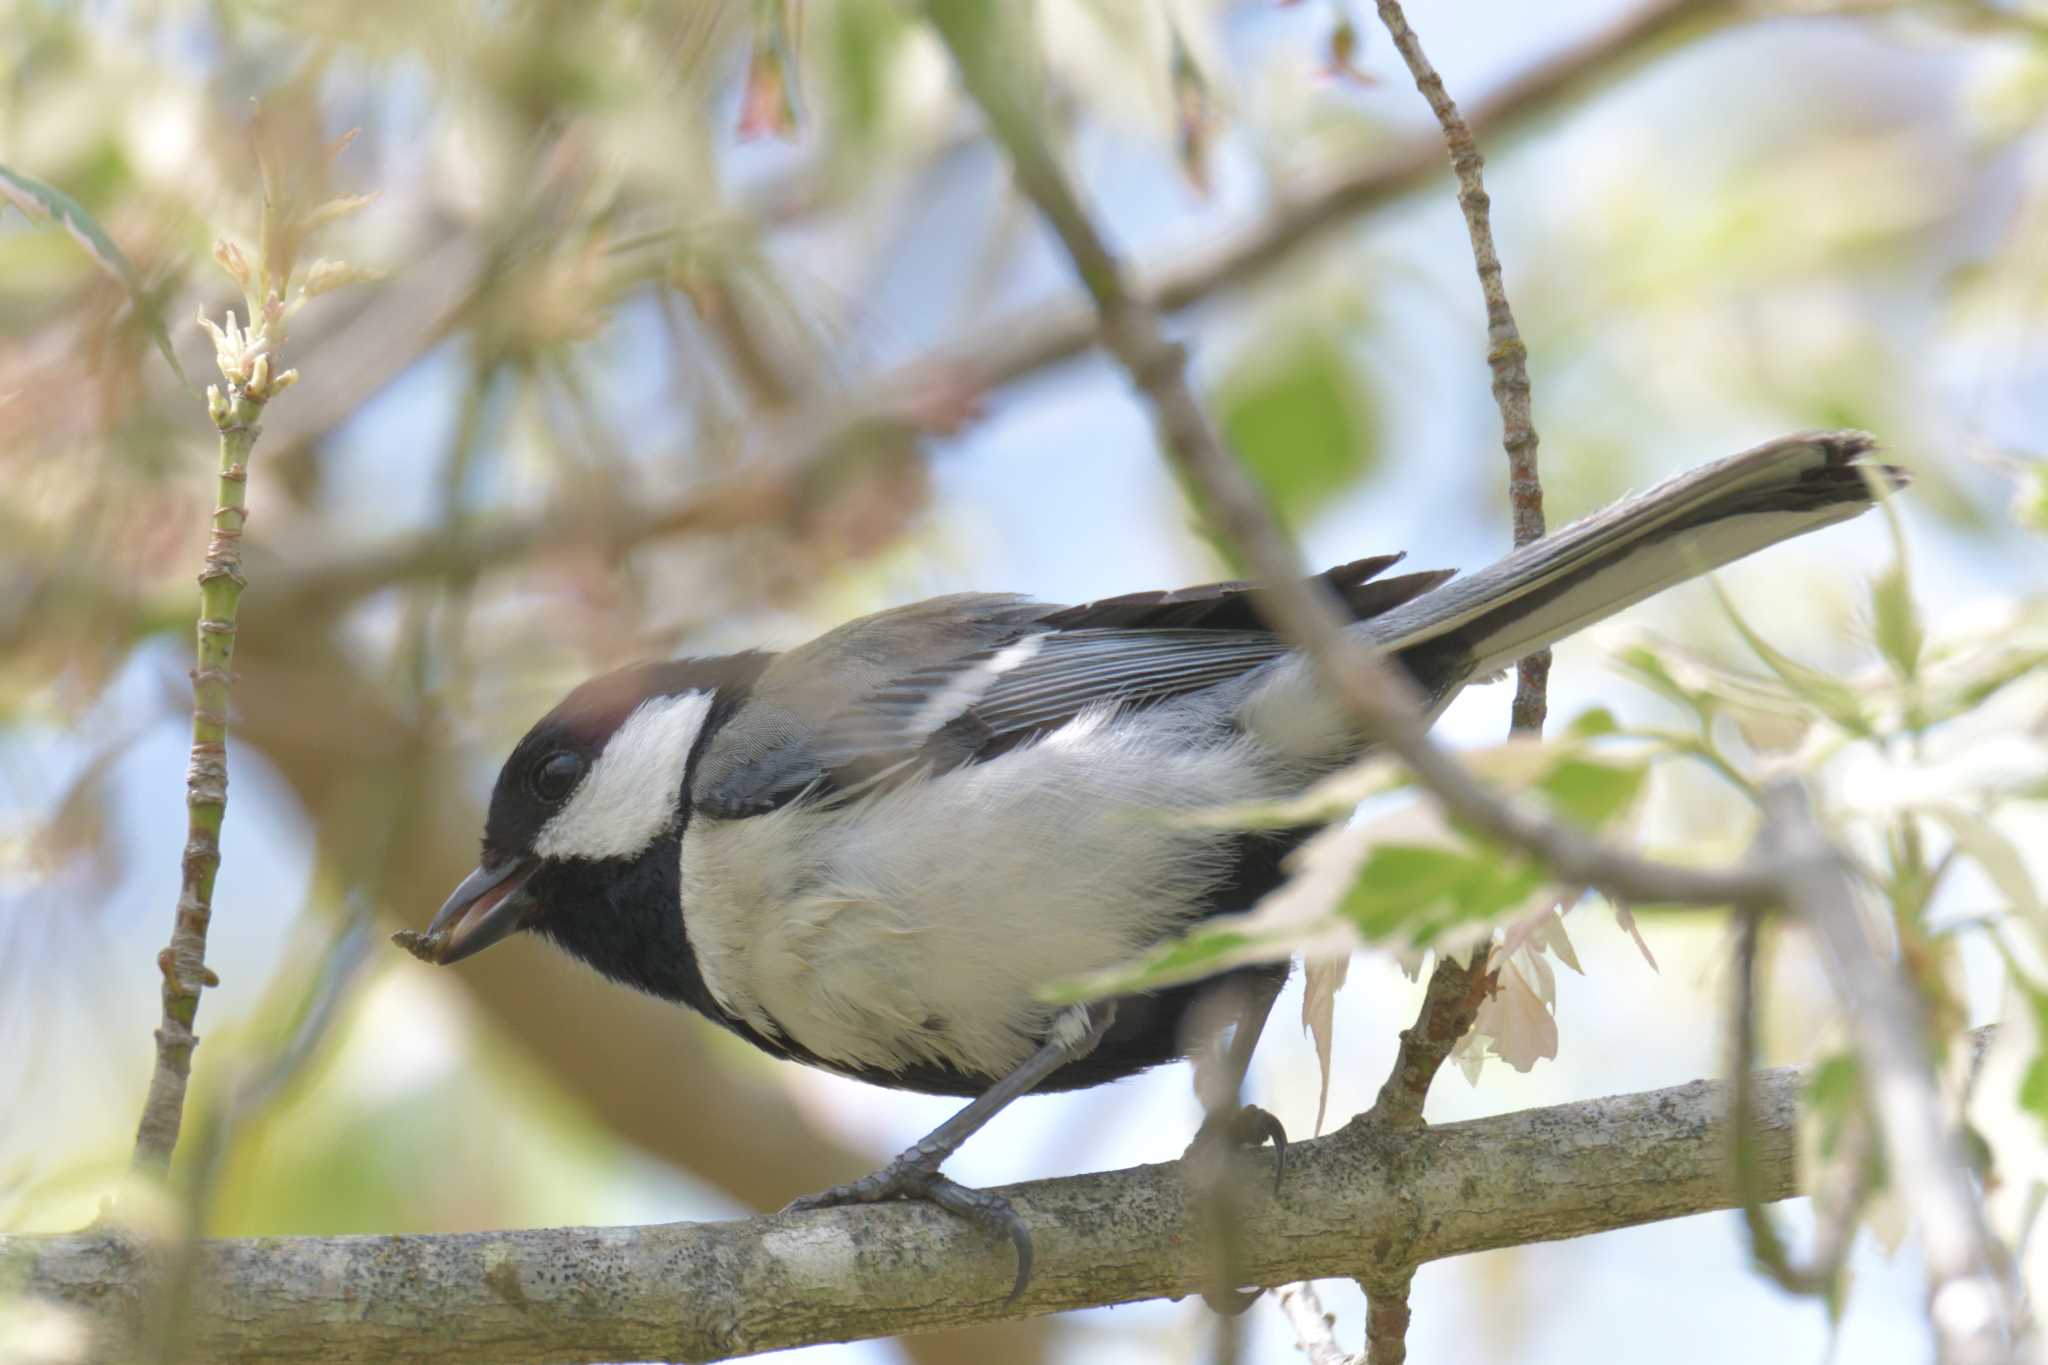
490,904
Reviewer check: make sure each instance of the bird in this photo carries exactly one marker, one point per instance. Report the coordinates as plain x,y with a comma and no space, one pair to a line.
871,853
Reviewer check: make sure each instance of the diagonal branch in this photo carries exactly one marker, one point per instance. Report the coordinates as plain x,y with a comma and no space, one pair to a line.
1971,1301
1377,695
703,1291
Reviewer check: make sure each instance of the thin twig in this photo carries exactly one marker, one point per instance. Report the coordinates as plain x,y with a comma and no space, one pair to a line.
1387,1316
1451,1001
1449,1005
1971,1301
1315,1327
1506,356
1821,1275
183,962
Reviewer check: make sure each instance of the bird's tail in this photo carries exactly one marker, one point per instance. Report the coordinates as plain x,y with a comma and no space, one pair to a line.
1680,529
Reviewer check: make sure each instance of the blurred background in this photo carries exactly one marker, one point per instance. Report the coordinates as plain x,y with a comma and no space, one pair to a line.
703,325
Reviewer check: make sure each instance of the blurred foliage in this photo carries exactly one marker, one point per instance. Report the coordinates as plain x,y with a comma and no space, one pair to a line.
1300,412
1921,760
667,342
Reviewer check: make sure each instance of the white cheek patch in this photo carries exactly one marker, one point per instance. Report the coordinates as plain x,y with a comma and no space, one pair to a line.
631,794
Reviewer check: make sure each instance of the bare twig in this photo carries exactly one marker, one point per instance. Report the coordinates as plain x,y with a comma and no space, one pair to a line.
1971,1301
1451,1001
1821,1275
1387,1316
1315,1327
702,1291
183,962
1449,1005
1505,353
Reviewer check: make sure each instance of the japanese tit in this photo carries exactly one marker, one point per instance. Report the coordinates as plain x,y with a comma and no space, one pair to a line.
872,852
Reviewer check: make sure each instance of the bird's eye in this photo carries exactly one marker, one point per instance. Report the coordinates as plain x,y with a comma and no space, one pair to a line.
557,776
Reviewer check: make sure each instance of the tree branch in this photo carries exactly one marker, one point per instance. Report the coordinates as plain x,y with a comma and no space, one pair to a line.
1354,1201
1315,1327
1971,1301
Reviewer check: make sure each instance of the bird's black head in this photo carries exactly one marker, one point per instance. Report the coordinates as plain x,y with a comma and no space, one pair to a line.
582,839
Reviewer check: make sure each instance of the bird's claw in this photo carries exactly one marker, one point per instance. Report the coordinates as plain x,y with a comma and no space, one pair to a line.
1247,1127
1219,1138
912,1176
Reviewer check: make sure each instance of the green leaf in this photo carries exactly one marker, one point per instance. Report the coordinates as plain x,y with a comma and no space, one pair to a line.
1412,892
2033,1091
1591,792
40,204
1593,723
865,38
1202,953
1994,852
2030,502
1302,420
1894,617
1825,693
1333,797
1895,620
1646,667
2034,1085
1832,1094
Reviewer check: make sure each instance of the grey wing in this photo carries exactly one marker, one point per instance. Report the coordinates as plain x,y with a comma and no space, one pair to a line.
971,707
982,704
958,680
790,733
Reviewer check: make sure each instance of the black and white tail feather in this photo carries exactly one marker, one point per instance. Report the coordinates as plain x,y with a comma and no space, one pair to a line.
1687,526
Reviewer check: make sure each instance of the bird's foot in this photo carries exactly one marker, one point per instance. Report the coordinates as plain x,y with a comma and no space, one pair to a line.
1208,1158
1243,1129
915,1175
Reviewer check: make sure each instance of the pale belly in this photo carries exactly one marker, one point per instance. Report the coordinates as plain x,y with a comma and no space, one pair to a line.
921,926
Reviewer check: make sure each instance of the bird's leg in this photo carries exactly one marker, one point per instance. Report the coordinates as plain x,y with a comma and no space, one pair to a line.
915,1173
1224,1119
1228,1126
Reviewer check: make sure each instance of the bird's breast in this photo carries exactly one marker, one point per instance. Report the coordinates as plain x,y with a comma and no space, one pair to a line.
922,925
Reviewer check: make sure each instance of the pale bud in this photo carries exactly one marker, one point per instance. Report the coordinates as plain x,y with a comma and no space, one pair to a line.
230,257
340,206
325,276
